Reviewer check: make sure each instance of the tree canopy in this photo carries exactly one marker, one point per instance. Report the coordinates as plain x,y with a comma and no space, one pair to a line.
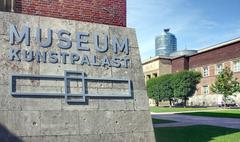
184,84
153,90
179,85
225,84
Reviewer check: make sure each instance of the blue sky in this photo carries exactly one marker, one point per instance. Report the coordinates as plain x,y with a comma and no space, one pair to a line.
196,23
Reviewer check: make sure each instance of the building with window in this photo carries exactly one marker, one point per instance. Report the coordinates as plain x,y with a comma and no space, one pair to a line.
219,68
209,61
7,5
165,44
205,89
205,71
156,66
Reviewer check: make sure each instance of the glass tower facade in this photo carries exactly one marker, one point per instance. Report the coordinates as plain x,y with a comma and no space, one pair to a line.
165,44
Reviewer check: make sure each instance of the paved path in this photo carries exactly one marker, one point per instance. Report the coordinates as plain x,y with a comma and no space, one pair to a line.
207,110
187,120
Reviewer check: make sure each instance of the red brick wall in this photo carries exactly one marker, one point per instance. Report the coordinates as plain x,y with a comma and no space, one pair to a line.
214,56
179,64
209,57
112,12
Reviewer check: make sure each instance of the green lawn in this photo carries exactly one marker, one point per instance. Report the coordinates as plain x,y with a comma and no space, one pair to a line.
167,109
231,113
197,133
157,121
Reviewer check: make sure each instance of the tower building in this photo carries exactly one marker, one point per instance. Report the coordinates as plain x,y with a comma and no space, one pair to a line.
165,44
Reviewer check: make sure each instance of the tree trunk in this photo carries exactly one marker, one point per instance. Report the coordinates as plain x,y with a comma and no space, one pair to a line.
185,101
157,102
224,102
170,102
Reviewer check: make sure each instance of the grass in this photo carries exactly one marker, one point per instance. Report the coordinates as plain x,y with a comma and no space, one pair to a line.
167,109
230,113
158,121
197,133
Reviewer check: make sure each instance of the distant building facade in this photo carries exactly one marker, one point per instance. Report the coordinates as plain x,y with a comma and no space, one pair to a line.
183,52
155,67
209,61
165,44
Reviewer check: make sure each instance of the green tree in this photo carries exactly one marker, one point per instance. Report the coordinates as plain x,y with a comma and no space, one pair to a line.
160,88
153,90
184,84
180,85
166,87
225,84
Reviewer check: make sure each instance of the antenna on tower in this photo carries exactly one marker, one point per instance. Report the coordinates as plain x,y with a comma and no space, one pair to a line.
166,30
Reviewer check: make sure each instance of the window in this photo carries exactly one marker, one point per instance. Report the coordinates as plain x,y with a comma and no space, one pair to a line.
7,5
148,77
236,66
218,69
155,75
205,90
205,71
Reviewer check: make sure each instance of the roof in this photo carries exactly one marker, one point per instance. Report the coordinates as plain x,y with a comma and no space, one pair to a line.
219,45
235,40
156,58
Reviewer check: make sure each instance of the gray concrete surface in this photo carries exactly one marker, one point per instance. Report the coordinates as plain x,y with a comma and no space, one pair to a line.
187,120
51,119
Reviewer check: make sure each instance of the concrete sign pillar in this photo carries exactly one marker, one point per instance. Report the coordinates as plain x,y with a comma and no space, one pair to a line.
70,81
